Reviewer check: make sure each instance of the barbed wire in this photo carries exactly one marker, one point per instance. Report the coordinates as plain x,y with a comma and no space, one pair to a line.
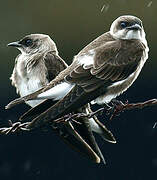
14,128
113,110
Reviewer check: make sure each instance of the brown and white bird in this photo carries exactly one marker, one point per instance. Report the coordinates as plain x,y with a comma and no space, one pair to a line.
103,70
38,64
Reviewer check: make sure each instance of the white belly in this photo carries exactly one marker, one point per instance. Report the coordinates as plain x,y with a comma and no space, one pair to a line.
28,79
29,86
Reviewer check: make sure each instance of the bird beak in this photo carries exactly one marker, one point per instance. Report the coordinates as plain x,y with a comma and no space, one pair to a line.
134,27
14,44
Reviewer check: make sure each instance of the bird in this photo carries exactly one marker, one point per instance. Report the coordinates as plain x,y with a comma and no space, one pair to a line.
101,71
36,65
39,63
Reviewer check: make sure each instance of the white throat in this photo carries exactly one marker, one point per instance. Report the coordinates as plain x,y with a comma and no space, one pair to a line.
131,34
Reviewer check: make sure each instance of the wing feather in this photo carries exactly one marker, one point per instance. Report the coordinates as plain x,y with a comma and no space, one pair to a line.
54,65
113,61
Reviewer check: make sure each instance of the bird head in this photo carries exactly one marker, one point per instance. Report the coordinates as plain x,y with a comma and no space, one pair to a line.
127,27
35,43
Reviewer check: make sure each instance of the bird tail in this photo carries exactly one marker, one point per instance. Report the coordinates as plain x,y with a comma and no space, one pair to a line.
102,129
78,136
105,133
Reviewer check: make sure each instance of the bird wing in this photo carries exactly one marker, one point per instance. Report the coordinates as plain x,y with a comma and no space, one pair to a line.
113,62
54,65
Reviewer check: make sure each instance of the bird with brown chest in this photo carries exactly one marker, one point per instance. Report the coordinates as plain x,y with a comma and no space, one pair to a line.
38,64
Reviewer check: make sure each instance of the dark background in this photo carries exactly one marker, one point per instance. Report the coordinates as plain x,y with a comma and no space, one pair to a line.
72,24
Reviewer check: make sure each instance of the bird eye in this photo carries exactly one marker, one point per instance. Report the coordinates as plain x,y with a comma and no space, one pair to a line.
28,42
123,24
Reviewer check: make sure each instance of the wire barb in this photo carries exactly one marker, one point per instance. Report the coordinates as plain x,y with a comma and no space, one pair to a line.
14,127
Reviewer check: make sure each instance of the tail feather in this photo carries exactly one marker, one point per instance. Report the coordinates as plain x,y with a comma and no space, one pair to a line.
84,129
70,136
106,134
101,130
